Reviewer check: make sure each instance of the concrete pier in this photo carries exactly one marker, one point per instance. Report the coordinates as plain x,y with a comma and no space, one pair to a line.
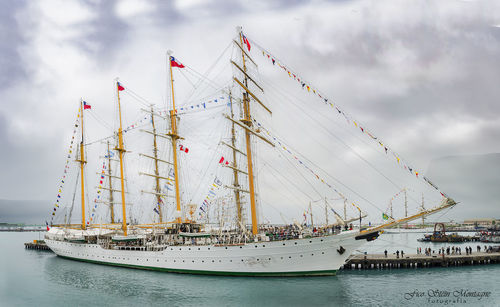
379,261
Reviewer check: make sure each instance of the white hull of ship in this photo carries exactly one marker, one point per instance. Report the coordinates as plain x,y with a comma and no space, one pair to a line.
299,257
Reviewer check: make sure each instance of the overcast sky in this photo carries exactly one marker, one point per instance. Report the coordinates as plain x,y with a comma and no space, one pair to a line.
424,75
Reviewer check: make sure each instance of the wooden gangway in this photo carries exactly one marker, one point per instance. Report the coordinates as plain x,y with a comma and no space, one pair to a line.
380,261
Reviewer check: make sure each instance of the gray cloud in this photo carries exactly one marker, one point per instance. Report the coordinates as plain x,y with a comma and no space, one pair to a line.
10,67
422,77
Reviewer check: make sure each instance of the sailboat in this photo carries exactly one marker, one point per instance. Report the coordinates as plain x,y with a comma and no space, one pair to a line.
181,244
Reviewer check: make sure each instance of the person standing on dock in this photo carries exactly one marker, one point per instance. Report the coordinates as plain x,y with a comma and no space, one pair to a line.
385,253
402,254
397,254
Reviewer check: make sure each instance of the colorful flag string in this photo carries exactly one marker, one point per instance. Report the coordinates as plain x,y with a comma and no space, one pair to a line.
212,193
216,102
306,85
287,150
57,203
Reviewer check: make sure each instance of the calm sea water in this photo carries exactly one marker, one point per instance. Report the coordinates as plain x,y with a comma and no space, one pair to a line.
36,278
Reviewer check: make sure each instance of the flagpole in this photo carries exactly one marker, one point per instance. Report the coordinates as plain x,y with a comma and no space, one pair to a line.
82,165
121,151
248,121
174,137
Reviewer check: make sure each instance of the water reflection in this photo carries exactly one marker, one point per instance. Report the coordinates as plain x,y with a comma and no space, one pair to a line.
139,286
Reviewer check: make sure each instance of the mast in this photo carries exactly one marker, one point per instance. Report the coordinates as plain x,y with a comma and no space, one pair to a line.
345,209
247,120
174,137
111,204
406,207
121,151
311,213
235,169
82,166
423,209
326,212
157,172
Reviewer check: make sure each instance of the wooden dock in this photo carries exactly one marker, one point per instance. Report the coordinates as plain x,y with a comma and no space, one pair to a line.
37,244
379,261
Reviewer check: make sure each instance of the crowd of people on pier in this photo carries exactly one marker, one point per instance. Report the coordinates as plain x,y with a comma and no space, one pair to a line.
453,250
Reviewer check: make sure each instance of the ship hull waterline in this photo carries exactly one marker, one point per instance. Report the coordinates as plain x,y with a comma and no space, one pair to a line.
316,256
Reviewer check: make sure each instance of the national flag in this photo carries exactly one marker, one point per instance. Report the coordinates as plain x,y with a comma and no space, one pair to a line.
246,41
385,216
120,87
47,224
86,106
174,63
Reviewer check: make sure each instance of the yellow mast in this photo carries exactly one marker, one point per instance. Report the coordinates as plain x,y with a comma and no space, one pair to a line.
82,165
121,151
248,121
157,173
174,136
111,204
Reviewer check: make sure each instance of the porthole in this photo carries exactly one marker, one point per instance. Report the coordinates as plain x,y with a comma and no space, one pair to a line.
290,257
283,244
310,241
295,243
213,260
301,256
241,246
322,253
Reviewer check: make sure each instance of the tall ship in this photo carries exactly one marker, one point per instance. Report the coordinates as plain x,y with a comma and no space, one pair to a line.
224,233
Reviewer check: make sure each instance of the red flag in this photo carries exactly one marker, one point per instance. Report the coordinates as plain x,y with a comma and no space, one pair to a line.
86,106
120,87
221,159
245,41
174,63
